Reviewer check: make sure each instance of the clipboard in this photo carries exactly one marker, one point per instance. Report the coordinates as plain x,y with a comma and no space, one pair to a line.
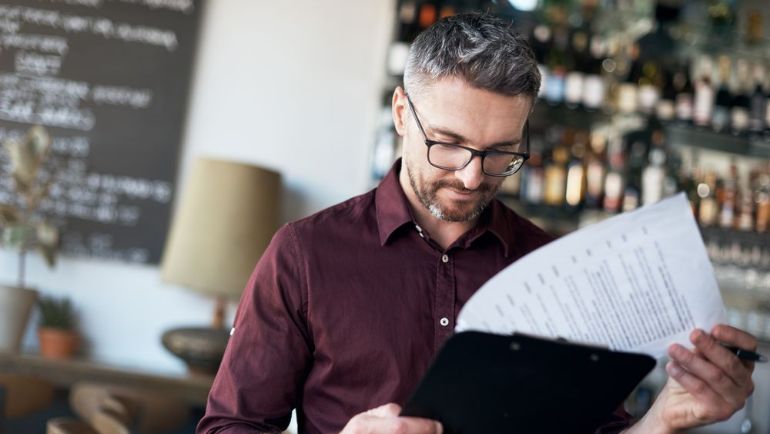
487,383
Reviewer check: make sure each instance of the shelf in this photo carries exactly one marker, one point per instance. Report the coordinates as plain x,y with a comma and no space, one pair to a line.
755,145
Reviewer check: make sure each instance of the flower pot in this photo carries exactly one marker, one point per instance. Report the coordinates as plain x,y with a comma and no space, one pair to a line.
15,308
58,343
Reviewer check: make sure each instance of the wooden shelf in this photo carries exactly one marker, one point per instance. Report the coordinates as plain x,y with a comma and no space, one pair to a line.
192,389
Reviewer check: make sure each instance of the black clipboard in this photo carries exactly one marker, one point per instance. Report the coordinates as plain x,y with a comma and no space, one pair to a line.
487,383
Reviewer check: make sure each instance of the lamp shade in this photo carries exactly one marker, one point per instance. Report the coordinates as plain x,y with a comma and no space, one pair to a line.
227,216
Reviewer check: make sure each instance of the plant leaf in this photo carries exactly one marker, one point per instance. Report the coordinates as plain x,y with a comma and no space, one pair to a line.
8,215
23,165
17,235
39,142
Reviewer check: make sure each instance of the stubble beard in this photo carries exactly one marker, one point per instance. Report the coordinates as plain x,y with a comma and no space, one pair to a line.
427,194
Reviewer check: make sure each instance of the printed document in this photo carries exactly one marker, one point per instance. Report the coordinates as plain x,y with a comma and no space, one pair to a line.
635,282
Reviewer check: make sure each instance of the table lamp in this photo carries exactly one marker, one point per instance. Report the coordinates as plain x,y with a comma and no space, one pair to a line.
227,214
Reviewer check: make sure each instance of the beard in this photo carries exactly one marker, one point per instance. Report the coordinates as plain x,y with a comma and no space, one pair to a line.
448,210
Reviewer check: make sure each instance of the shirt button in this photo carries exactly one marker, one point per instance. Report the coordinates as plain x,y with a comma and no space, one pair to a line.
444,321
445,259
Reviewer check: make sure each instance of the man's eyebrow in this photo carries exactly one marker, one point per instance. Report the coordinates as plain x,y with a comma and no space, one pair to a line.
461,139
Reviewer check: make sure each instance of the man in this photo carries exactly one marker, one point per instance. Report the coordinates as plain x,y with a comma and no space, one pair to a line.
347,308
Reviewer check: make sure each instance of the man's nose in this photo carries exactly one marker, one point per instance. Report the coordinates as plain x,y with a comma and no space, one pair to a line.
471,175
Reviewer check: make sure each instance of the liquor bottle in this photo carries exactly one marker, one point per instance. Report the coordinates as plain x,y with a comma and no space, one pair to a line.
574,81
428,15
709,209
729,201
763,200
704,93
665,108
746,207
555,173
628,89
531,189
684,94
637,159
741,107
540,40
614,184
653,177
576,178
758,103
720,116
595,170
754,27
556,62
594,92
649,87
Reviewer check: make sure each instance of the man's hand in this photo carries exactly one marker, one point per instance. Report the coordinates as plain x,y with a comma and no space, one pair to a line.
707,384
385,420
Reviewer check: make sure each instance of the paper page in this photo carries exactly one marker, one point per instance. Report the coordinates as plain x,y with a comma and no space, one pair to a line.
635,282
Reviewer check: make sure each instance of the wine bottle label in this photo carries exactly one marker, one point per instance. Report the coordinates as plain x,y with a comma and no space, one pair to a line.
648,97
665,109
740,119
627,97
573,87
703,104
594,91
684,107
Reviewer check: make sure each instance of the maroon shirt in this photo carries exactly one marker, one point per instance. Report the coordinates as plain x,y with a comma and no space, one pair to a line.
347,308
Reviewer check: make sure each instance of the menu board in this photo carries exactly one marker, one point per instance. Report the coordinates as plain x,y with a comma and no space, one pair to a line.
109,80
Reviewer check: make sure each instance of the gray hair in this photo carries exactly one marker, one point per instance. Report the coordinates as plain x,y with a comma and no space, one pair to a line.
482,49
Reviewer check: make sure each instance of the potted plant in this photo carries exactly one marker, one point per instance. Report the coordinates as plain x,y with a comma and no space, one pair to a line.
57,331
23,229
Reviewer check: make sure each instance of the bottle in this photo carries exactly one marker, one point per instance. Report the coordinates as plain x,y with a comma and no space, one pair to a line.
614,184
708,210
594,92
555,173
665,108
595,170
532,179
720,116
649,87
576,179
540,41
555,87
628,89
574,81
637,159
653,177
704,93
763,201
684,94
727,212
746,207
758,104
741,106
427,16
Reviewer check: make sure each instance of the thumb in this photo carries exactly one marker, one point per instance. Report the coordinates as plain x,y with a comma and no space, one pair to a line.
388,410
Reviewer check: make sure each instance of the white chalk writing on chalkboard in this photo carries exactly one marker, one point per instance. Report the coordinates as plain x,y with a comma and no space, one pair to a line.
109,79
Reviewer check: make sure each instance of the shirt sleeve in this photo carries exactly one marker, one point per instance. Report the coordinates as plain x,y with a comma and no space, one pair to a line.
269,353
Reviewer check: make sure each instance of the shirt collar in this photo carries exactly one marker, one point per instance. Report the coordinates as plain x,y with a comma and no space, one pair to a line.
392,206
393,212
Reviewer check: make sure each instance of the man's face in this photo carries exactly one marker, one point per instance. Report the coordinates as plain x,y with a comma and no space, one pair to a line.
451,111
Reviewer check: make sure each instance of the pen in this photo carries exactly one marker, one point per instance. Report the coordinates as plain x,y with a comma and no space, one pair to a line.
747,355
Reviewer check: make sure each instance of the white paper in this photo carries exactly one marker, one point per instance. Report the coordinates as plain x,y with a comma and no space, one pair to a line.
635,282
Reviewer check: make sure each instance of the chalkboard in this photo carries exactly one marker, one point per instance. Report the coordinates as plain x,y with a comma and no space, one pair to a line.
109,79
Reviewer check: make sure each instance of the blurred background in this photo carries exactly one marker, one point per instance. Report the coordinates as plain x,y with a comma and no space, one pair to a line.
151,148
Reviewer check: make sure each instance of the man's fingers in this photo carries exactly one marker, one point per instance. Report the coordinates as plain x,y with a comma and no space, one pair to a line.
733,336
705,370
723,359
385,419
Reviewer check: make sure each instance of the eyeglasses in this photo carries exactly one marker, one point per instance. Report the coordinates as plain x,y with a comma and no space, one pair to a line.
452,157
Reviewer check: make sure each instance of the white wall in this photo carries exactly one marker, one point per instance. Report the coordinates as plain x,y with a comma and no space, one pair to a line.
293,86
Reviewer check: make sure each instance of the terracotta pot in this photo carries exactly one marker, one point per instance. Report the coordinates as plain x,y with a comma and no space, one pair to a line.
58,343
15,308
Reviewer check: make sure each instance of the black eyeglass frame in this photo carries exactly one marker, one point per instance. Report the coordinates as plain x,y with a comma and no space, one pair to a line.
474,152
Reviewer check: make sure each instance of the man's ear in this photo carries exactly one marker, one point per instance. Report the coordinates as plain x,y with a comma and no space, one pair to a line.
399,109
